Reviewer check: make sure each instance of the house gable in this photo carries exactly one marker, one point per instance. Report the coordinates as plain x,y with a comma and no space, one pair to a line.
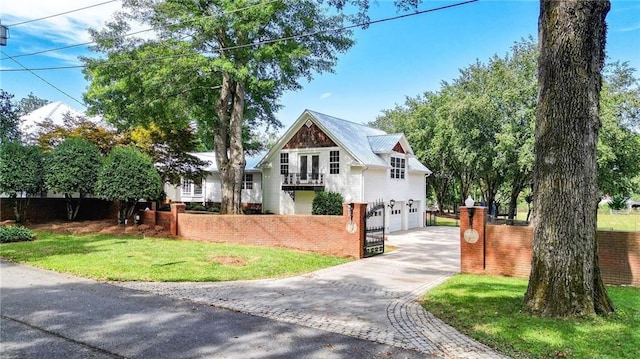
398,148
309,136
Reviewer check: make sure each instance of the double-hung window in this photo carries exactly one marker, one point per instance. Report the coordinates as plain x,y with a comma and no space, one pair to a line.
247,181
398,167
189,188
284,163
334,162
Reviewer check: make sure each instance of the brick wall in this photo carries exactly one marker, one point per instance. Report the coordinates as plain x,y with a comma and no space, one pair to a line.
320,234
507,250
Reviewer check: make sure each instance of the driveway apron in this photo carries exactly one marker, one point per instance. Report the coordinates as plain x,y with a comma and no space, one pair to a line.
372,299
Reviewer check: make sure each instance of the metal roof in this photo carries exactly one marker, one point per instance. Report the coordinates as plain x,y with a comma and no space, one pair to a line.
384,143
354,137
363,143
210,157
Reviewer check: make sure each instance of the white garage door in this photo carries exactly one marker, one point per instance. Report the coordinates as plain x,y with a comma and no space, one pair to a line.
395,219
414,216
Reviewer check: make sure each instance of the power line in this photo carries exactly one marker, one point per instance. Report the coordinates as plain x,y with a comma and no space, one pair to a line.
47,82
141,31
62,13
293,37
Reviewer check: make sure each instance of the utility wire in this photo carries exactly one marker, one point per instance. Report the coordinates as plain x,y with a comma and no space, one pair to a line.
141,31
60,14
293,37
47,82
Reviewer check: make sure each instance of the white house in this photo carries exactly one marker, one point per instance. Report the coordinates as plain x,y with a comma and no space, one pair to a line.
323,153
210,190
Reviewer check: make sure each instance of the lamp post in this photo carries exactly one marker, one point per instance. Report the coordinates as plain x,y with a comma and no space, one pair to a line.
349,201
392,203
410,202
469,203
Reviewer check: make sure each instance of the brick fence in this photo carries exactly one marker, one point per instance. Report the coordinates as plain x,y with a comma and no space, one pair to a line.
320,234
507,250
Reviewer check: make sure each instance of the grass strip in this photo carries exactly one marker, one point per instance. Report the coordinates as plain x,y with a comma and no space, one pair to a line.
129,258
491,310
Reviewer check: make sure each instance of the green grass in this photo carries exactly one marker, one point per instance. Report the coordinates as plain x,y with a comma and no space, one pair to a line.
128,258
606,221
619,222
490,309
447,221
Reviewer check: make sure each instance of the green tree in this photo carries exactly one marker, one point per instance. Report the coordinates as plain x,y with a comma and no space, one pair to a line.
72,167
9,119
31,103
565,277
48,135
128,176
619,139
170,152
221,63
21,175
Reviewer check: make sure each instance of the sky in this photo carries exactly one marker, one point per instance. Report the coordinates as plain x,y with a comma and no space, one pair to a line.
389,62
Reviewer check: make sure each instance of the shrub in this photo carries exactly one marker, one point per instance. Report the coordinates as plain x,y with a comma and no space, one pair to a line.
194,206
327,203
10,234
618,203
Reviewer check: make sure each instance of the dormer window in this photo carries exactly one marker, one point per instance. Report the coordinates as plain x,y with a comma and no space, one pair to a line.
398,167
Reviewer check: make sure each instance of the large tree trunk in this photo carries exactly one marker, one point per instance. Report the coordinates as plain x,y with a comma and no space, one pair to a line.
565,277
228,144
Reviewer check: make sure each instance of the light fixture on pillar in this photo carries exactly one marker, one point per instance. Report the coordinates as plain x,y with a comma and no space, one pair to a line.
349,201
469,203
392,203
410,203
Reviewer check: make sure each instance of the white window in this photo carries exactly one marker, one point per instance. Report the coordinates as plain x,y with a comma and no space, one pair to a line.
186,187
197,189
284,163
398,167
334,162
189,188
247,181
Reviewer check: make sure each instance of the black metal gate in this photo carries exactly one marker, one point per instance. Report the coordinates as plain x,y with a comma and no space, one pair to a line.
374,229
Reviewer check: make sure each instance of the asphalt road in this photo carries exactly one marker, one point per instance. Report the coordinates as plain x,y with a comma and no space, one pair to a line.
49,315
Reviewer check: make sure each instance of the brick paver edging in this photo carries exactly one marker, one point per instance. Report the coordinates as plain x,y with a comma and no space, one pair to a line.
410,326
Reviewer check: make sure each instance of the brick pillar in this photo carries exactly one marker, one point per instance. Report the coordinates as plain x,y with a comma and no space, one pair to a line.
175,209
472,240
358,235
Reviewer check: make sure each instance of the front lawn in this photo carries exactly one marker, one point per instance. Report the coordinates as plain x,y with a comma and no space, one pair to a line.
490,309
128,258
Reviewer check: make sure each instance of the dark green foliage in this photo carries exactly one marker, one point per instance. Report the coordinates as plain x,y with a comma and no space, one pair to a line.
10,234
618,203
9,119
128,176
71,168
21,174
327,203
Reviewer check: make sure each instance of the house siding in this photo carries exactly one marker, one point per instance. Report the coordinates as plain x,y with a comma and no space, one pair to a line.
212,191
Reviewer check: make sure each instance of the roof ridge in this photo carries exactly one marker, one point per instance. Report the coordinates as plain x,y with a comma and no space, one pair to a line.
341,119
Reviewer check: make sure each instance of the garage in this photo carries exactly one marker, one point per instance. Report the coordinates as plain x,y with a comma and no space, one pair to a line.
414,215
395,218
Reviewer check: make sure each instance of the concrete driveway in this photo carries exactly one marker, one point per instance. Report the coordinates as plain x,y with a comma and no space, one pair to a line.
372,299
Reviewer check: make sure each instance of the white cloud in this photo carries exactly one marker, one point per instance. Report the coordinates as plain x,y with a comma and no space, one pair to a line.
629,28
64,29
325,95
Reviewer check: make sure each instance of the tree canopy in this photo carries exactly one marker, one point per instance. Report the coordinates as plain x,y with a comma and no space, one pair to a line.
128,176
21,174
72,167
222,64
9,118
